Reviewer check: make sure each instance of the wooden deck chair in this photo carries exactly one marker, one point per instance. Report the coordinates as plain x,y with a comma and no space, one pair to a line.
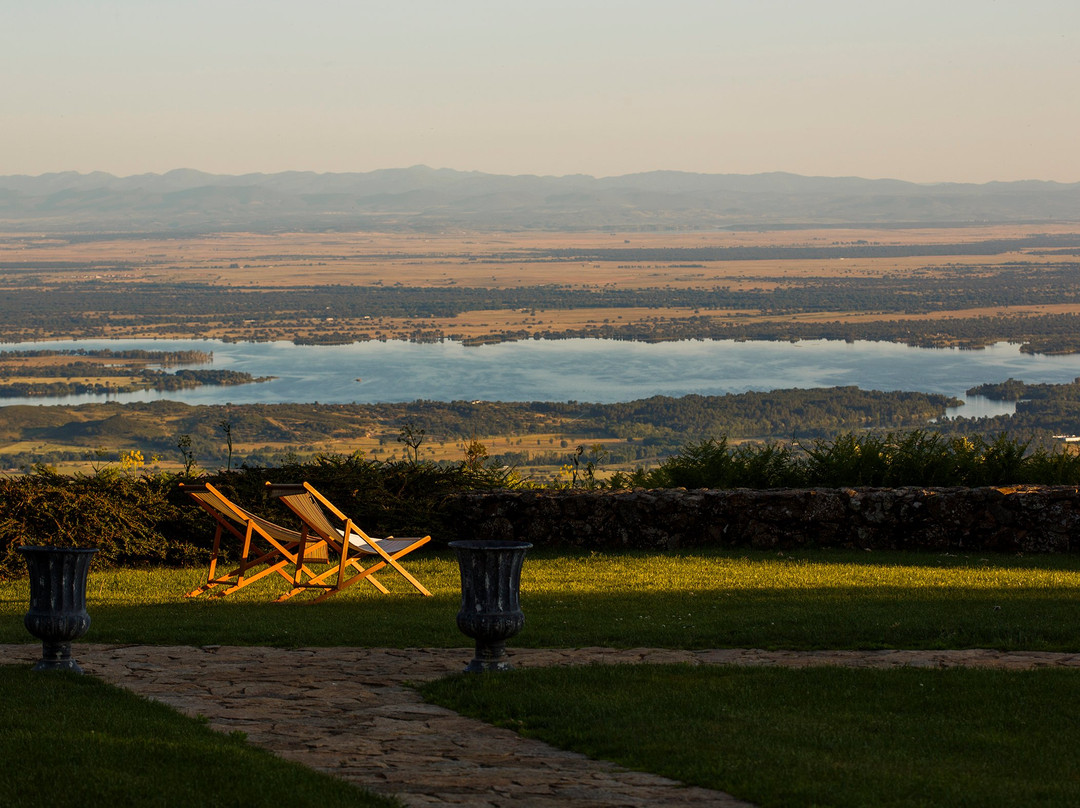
348,541
264,544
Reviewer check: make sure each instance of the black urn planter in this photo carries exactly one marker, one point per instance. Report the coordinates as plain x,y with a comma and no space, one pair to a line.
57,612
490,589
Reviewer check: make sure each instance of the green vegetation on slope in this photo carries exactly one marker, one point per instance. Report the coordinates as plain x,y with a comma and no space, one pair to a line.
638,432
635,432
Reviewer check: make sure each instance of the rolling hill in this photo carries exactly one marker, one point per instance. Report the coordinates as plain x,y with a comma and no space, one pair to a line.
425,199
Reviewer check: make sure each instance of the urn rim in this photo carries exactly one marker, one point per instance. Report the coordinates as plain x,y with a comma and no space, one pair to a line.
34,548
493,544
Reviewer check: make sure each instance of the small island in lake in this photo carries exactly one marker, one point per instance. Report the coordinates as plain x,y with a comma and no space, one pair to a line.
106,372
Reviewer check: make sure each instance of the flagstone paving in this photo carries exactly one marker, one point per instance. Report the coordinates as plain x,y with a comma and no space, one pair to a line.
350,712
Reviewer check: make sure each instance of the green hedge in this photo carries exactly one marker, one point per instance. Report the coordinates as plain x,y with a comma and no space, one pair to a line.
888,460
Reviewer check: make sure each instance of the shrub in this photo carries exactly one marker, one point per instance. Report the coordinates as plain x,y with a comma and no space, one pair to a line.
129,520
916,458
147,519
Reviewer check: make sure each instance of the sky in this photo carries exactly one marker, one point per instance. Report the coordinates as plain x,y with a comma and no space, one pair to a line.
941,91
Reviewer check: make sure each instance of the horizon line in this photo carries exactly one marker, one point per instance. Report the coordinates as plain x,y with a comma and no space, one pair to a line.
445,169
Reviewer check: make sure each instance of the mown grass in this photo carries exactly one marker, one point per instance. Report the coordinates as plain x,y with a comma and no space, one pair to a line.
72,740
687,599
812,737
832,737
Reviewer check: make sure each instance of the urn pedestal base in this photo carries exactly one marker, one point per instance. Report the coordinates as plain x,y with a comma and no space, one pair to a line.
489,657
56,656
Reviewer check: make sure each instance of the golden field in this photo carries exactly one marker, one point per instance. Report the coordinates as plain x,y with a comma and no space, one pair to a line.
252,261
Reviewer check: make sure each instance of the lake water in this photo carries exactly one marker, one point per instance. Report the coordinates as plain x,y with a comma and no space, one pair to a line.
579,369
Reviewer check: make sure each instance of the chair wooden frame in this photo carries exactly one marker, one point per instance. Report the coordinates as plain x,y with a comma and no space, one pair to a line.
282,548
348,541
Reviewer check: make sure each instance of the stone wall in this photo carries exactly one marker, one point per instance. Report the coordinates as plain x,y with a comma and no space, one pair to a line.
1021,519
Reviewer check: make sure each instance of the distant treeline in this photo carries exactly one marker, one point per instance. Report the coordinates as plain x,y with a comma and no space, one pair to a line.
643,430
855,250
344,313
1015,390
637,431
1043,334
937,288
167,358
1041,410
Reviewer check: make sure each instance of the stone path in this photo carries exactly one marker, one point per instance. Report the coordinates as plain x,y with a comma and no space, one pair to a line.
348,712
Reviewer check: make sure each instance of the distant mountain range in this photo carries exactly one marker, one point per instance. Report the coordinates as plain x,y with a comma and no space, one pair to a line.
426,199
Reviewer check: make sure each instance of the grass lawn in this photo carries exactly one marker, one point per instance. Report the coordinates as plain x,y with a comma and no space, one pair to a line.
72,740
685,599
811,737
776,737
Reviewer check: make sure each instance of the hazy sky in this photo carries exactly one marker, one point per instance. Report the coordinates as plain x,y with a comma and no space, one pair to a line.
949,90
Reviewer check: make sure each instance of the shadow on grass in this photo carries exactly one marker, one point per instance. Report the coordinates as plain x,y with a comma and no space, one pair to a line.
692,599
73,740
811,737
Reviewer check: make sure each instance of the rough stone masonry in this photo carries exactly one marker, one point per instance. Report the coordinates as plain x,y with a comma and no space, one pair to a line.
1036,519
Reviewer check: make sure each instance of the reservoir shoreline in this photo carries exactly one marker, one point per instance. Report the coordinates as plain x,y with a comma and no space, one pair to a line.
596,370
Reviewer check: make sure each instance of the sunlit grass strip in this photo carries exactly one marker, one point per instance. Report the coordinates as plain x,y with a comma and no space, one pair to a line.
689,599
742,570
825,736
551,572
71,740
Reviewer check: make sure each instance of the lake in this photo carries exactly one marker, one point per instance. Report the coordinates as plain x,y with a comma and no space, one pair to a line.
579,369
